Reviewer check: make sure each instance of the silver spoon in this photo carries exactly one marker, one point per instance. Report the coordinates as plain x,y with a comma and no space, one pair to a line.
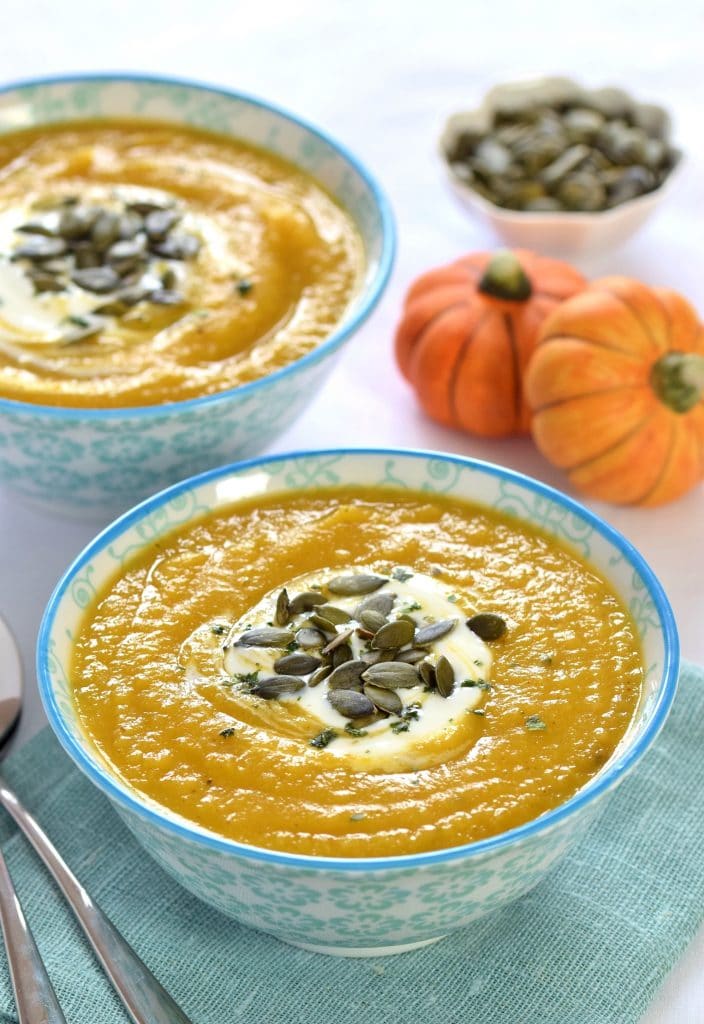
34,994
142,996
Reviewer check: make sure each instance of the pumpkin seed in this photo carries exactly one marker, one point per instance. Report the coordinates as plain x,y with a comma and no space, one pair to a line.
487,626
393,635
283,608
166,297
127,251
427,635
114,307
338,616
264,636
322,623
96,279
392,675
338,640
276,686
309,638
158,223
106,230
130,224
38,227
427,674
77,221
84,256
412,657
360,583
177,247
347,676
39,247
372,621
340,655
319,675
145,206
370,657
444,676
351,703
306,601
386,700
380,603
44,282
296,664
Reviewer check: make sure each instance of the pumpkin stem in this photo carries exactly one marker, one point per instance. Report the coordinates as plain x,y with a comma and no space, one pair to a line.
505,278
678,380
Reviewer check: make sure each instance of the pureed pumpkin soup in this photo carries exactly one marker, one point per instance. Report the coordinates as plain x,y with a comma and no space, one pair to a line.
357,672
143,262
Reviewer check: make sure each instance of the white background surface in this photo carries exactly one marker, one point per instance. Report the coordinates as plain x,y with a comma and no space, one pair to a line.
381,77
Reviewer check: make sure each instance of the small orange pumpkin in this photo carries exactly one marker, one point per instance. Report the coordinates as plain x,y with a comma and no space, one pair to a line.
616,385
468,330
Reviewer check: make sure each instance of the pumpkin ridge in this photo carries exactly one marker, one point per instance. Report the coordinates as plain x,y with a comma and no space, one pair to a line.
435,318
588,341
644,326
610,447
587,394
452,386
665,310
516,366
663,468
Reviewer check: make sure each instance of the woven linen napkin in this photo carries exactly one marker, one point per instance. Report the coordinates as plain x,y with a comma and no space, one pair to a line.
590,945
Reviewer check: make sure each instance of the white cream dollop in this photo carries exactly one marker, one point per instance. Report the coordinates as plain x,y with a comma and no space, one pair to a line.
398,742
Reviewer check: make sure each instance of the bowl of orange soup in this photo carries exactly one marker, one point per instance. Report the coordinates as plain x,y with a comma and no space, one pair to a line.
358,699
179,264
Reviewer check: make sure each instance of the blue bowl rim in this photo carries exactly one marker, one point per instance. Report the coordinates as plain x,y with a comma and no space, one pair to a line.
595,788
330,344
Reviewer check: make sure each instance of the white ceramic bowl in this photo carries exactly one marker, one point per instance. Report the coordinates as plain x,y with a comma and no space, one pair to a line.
98,462
560,234
365,905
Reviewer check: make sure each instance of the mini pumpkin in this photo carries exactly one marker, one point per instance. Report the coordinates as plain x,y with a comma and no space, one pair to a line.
468,330
616,385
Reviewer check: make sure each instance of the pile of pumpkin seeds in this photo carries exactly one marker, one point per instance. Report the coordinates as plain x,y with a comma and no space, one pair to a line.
394,654
121,254
559,147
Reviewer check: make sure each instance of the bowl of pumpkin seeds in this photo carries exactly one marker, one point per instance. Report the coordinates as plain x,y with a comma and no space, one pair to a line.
555,166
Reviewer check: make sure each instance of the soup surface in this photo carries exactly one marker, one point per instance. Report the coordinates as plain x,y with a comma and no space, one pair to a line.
143,263
199,677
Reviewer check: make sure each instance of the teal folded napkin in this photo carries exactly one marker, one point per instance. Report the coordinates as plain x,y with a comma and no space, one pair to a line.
590,945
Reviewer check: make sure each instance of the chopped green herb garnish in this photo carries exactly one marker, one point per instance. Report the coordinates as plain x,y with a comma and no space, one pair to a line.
228,732
246,680
402,575
292,646
546,659
535,722
453,598
412,606
479,684
323,738
353,730
244,286
410,712
219,629
400,726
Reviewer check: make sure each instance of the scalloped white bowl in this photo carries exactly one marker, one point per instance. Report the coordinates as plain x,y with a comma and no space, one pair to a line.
561,234
399,902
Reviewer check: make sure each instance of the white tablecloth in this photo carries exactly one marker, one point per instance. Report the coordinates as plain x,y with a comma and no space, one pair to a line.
381,77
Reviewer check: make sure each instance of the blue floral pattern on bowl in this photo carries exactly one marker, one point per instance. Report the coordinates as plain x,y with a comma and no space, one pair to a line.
399,902
96,463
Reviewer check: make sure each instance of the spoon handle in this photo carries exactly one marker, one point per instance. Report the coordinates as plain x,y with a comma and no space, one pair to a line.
34,995
142,996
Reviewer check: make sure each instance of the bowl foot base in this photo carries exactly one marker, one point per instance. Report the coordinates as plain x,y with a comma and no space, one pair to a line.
360,951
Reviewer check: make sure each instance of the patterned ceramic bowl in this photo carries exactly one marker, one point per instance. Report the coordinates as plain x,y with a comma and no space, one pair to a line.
417,898
96,463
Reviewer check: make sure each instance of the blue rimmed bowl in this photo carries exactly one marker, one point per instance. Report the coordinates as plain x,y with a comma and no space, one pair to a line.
417,898
98,462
